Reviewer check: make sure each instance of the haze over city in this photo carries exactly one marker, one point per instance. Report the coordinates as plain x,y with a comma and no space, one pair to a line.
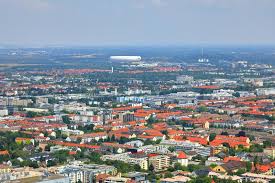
136,22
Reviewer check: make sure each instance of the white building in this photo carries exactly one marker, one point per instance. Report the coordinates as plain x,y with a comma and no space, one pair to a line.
135,143
125,157
4,112
185,79
265,91
126,58
182,159
160,162
85,173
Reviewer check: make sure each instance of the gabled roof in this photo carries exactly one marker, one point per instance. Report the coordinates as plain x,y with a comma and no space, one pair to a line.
182,155
152,132
263,168
199,140
233,165
231,140
231,158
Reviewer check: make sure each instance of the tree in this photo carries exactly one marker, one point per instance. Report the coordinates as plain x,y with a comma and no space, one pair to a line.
226,145
87,128
95,158
213,165
46,134
148,142
192,167
248,166
123,140
158,141
251,137
61,155
171,149
232,152
79,154
121,166
79,139
225,133
272,118
241,171
256,148
168,175
212,136
164,132
151,167
4,158
178,166
31,114
197,157
66,119
64,136
152,177
256,161
236,94
267,143
202,109
58,133
137,168
241,134
51,163
201,180
108,139
52,100
21,153
33,164
113,138
151,119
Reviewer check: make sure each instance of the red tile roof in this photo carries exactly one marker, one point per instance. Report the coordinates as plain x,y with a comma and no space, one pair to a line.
231,140
152,132
182,155
69,144
127,108
263,168
4,152
152,155
212,87
199,140
231,158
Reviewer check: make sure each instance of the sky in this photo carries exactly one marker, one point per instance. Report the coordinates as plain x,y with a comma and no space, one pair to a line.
136,22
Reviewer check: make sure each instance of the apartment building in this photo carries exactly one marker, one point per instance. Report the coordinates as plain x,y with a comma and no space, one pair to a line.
85,173
160,162
126,116
127,158
270,152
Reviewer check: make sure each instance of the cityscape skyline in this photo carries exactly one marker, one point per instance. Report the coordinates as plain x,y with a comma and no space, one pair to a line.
137,91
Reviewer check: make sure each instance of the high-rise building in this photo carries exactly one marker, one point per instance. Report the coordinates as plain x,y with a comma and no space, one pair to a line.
159,162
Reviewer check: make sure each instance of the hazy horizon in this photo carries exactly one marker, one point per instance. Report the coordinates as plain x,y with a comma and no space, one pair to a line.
137,22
